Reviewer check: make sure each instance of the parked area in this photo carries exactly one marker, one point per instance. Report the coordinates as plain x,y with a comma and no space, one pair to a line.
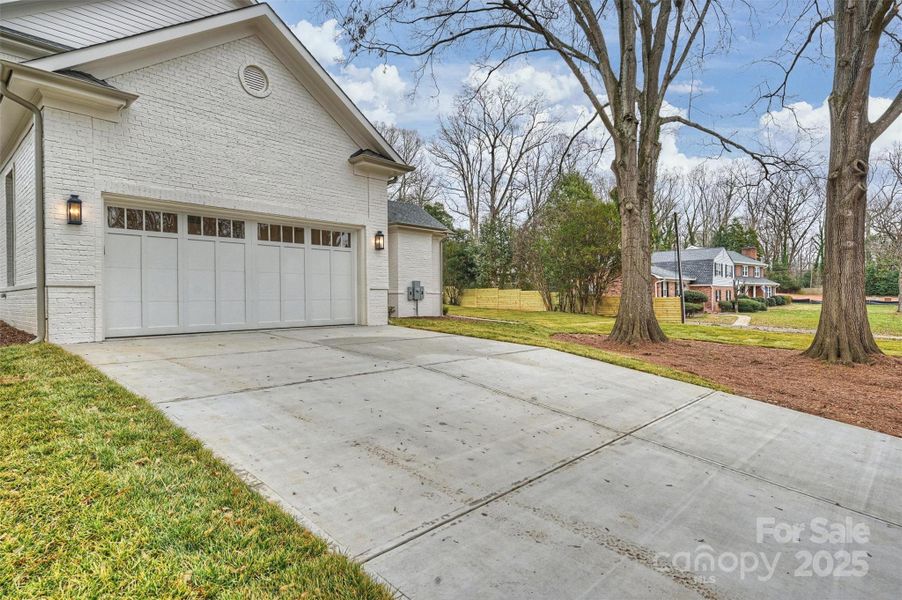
765,365
455,467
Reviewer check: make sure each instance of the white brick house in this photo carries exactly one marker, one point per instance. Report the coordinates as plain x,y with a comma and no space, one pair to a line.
226,181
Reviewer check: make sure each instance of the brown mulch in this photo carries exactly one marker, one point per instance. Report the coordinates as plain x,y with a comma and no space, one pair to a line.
865,395
9,335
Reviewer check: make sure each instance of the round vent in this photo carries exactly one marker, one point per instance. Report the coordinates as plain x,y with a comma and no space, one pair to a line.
254,80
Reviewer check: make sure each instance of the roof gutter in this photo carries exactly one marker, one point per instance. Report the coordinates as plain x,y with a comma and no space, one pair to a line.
41,267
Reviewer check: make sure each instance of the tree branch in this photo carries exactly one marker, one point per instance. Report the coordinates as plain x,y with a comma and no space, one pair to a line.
765,160
887,118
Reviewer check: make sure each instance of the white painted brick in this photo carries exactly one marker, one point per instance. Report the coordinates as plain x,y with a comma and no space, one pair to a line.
195,136
414,256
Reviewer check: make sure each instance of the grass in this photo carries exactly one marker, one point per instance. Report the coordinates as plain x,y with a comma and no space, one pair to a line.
537,328
101,496
883,317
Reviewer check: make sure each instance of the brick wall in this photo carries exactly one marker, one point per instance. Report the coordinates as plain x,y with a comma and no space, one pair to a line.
18,307
414,256
195,136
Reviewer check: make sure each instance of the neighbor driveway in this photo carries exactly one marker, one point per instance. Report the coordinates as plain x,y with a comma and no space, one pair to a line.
455,467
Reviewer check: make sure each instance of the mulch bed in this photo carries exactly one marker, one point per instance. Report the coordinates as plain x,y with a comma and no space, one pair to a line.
9,335
865,395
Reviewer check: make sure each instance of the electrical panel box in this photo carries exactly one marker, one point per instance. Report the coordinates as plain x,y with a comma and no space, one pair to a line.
415,291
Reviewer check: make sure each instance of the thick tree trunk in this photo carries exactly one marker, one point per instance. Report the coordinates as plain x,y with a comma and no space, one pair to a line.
899,306
843,332
636,321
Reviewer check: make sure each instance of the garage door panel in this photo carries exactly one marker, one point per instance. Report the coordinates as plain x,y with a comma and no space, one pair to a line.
342,286
269,294
201,285
122,282
293,288
319,292
161,282
231,292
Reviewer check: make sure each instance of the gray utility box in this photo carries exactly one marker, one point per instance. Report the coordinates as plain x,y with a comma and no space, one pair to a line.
415,291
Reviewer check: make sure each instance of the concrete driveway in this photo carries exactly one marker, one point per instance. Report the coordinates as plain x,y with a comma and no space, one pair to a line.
454,467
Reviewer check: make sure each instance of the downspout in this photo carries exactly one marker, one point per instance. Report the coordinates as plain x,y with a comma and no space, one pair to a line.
41,267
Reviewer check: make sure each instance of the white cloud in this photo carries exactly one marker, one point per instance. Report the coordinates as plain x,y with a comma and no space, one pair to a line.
812,123
554,86
693,86
378,91
321,40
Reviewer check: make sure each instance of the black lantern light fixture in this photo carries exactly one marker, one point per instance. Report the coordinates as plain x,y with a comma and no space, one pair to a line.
379,240
73,210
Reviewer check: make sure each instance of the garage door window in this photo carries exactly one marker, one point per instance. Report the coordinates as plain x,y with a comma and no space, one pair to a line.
213,227
280,233
324,237
137,219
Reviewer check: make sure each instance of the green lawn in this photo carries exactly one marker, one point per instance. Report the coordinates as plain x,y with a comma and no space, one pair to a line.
883,317
101,496
537,328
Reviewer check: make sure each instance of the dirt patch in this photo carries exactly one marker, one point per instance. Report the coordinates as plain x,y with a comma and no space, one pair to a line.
865,395
9,335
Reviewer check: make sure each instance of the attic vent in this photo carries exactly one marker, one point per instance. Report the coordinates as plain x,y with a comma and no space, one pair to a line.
254,81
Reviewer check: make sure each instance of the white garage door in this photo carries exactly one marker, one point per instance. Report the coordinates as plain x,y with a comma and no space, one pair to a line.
167,272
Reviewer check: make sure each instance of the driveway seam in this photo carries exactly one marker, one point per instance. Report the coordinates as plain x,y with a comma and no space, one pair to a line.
364,558
769,481
281,385
382,341
177,358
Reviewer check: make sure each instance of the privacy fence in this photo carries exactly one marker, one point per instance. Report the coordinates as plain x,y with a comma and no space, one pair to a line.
666,309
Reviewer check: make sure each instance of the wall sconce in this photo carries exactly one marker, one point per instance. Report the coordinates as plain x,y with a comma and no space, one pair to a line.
379,240
73,210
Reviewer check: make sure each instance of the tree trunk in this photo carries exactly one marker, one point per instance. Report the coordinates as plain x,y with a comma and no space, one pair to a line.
636,321
843,332
899,306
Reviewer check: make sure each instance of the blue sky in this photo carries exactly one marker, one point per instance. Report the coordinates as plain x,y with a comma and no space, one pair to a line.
718,94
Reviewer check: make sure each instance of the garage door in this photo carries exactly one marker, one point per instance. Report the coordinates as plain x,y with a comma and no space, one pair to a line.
167,272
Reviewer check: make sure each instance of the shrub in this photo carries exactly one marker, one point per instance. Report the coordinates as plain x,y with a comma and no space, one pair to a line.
693,308
762,305
772,301
695,297
778,300
747,305
445,309
787,300
742,297
725,305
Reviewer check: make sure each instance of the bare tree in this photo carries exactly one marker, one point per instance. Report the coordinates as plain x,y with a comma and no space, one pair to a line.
792,208
886,209
485,147
625,80
418,187
562,154
859,26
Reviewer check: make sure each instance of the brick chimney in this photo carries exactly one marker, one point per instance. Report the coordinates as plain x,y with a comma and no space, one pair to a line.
751,252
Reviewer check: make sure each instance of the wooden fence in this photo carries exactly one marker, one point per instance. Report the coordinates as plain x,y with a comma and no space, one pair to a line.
666,309
527,300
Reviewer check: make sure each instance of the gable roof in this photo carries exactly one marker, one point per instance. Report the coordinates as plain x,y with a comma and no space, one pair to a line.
686,254
102,61
742,259
411,215
662,273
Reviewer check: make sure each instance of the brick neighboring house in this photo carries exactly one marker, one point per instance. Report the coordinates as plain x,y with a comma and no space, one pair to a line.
712,271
